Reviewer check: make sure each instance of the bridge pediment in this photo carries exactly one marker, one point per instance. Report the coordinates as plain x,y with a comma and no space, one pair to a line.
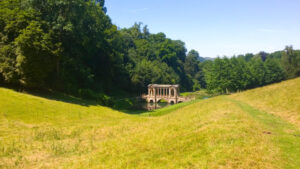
163,85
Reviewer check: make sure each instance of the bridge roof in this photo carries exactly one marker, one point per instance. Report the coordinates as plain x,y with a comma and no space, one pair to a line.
163,85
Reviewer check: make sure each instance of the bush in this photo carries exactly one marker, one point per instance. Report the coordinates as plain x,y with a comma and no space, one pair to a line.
98,97
104,99
71,89
86,94
123,104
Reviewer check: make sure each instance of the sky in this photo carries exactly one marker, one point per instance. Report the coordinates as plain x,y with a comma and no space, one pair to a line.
216,27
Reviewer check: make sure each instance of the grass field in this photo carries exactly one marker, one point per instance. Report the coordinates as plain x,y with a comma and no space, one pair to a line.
254,129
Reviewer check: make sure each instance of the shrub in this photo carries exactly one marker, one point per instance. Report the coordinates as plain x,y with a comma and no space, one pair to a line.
86,94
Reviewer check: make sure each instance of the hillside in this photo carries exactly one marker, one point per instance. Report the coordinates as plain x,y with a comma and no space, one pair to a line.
254,129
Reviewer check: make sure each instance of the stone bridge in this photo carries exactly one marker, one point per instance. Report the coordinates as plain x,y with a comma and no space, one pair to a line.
157,92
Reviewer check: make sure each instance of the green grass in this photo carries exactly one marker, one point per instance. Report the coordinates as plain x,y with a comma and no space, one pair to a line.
287,136
253,129
280,99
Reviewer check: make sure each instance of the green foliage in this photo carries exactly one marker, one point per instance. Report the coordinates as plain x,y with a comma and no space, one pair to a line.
194,71
147,72
153,58
72,45
98,97
274,72
291,62
257,69
235,74
12,21
191,63
58,44
35,60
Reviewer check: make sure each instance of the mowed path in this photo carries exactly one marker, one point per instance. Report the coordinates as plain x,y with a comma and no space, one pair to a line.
254,129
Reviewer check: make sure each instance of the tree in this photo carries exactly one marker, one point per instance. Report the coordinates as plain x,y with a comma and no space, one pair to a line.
291,62
191,63
142,45
12,21
274,72
258,71
217,76
263,55
34,52
147,72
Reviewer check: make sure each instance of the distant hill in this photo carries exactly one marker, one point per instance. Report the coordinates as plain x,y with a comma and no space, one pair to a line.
202,59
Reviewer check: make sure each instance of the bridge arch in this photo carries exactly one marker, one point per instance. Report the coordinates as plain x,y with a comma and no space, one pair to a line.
172,101
151,100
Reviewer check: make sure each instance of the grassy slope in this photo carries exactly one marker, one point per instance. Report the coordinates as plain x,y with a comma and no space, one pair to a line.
245,130
281,100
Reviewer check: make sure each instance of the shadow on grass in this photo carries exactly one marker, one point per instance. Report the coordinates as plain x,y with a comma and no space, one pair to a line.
133,112
123,105
52,95
119,104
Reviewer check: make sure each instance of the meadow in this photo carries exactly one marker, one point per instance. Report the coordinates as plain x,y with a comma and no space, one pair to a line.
258,128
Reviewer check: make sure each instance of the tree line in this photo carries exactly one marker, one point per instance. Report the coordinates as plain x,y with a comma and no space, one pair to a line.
72,46
226,75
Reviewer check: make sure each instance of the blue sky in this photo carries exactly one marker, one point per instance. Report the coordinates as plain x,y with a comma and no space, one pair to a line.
216,27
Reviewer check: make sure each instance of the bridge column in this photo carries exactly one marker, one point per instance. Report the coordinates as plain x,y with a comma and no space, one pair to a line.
166,92
154,89
175,93
166,89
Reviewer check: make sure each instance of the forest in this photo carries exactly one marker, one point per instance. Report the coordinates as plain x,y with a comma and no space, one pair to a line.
73,47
